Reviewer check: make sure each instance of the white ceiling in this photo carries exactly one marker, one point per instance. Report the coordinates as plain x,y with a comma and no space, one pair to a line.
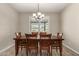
43,7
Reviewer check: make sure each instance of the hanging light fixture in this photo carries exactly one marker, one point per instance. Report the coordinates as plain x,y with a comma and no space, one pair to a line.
38,16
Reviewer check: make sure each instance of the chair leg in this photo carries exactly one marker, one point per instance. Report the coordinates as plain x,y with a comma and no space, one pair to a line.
37,52
51,51
29,52
40,52
26,51
16,50
21,50
48,52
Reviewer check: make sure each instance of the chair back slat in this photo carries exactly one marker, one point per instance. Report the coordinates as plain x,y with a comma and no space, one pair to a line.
32,42
30,36
45,42
31,39
34,33
42,33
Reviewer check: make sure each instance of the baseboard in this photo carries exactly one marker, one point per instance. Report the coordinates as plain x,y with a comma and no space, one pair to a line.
70,48
63,45
6,48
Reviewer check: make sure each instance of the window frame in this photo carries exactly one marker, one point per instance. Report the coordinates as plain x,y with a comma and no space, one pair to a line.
47,18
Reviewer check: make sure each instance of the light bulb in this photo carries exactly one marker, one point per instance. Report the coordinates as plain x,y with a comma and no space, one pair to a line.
39,13
42,15
34,14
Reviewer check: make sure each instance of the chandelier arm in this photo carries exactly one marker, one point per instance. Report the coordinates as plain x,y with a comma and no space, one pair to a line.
38,15
38,7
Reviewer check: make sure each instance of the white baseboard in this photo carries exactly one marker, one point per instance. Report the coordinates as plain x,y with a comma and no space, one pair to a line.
63,45
6,48
70,48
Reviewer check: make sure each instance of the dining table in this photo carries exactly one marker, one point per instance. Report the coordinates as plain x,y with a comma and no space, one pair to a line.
53,39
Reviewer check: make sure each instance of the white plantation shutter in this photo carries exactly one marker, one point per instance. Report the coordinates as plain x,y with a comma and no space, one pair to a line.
36,26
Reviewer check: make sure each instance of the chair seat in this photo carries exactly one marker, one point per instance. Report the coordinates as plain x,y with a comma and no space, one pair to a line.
45,48
22,43
54,45
32,47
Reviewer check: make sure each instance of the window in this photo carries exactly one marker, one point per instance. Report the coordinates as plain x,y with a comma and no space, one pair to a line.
37,26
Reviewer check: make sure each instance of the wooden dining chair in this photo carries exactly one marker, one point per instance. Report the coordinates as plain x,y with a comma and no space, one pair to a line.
45,43
56,44
21,42
32,43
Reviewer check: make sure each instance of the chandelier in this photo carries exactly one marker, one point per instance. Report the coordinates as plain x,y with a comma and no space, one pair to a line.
38,15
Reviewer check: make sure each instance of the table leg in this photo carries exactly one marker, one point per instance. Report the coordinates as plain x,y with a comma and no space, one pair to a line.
50,50
61,48
16,48
26,50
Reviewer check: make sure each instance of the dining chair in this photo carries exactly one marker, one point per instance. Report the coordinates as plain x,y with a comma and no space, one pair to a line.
32,43
21,42
56,44
45,43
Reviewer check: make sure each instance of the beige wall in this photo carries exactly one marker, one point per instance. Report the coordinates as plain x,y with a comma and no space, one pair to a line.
54,22
8,25
70,26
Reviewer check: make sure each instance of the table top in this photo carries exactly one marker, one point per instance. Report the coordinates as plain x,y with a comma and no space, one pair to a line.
52,38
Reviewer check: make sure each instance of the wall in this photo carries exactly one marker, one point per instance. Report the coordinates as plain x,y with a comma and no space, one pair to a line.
8,25
54,23
70,26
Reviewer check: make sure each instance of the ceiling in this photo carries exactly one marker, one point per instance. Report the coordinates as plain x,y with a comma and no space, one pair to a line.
43,7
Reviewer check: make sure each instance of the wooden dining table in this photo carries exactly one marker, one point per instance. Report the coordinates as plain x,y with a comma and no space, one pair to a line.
53,39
